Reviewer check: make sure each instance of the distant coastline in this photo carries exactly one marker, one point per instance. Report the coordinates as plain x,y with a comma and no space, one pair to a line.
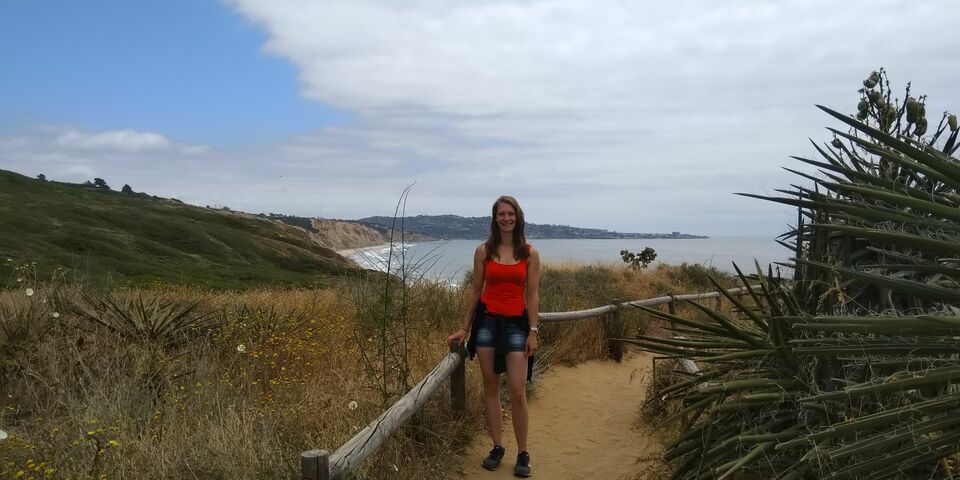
455,227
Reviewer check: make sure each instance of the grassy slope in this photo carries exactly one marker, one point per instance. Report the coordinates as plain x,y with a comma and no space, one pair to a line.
137,239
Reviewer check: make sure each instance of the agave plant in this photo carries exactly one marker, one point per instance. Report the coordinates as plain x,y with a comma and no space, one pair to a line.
848,370
165,330
168,324
746,399
881,229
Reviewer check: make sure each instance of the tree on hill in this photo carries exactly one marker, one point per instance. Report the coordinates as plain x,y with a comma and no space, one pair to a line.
100,183
42,177
126,189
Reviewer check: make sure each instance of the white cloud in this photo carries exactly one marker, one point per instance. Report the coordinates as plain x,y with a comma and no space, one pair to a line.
76,173
109,142
19,141
634,116
360,170
119,140
562,56
590,106
195,149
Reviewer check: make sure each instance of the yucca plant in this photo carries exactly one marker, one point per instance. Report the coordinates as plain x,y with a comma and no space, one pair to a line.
166,323
848,370
746,398
880,230
167,329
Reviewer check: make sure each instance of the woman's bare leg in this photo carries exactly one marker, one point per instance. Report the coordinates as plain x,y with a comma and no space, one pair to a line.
516,384
491,394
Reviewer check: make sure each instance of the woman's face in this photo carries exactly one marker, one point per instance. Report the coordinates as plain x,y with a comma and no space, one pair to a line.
506,217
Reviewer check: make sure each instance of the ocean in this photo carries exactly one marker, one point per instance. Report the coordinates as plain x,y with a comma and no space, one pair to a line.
450,260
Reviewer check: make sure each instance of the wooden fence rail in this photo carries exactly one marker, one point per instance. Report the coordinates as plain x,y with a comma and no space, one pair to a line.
320,464
323,465
647,302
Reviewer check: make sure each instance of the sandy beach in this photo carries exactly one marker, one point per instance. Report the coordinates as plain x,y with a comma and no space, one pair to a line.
347,253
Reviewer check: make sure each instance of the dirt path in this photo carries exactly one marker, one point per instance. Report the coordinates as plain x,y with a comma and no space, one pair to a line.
583,425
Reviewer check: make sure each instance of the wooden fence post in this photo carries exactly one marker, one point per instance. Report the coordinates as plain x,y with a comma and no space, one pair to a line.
672,308
614,324
458,383
315,465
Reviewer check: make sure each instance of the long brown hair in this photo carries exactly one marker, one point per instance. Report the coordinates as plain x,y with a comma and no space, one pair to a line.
520,248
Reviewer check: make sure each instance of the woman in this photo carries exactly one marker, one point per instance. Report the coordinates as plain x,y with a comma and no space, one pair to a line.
502,313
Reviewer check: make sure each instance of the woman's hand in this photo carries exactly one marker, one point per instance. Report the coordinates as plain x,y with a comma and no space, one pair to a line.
457,336
531,346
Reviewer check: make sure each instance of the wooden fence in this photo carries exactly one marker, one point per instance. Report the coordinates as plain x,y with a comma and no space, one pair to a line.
323,465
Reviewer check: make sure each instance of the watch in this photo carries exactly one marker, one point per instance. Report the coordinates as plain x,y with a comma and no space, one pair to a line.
535,330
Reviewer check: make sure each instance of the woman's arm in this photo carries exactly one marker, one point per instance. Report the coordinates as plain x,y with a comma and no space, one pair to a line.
476,289
532,293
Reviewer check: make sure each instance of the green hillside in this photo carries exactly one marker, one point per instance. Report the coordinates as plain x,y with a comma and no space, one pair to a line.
134,238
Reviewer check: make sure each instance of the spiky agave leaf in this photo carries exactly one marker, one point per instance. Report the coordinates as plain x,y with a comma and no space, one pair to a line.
746,401
850,371
165,322
774,415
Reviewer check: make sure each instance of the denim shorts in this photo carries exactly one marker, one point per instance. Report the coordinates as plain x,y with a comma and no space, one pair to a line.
515,334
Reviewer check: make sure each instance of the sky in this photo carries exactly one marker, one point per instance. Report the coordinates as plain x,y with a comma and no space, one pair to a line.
633,116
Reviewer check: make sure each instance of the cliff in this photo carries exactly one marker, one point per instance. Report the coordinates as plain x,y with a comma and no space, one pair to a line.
340,235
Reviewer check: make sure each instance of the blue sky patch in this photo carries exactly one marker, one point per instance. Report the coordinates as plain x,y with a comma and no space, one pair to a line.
190,70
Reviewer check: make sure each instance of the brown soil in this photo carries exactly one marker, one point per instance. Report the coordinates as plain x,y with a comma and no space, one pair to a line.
584,424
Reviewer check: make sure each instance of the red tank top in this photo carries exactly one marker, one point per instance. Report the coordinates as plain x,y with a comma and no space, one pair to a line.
503,287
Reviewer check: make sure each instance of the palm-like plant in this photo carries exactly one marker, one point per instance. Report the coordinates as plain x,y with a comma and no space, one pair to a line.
847,371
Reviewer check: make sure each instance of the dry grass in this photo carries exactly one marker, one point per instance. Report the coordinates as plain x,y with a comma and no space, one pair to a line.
250,381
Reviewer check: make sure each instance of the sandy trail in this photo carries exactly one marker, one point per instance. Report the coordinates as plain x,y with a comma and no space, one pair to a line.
583,424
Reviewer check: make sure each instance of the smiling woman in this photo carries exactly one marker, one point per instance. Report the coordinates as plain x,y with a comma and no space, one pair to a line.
502,322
